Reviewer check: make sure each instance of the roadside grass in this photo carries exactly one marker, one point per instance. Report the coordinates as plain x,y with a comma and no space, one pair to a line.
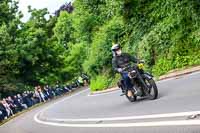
156,78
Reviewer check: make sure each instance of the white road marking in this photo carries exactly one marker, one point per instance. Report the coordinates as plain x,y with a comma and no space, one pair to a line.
154,116
139,124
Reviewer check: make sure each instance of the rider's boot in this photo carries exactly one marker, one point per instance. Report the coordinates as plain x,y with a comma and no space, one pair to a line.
130,94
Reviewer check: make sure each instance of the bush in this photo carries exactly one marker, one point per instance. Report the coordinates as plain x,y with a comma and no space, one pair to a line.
162,66
101,82
114,80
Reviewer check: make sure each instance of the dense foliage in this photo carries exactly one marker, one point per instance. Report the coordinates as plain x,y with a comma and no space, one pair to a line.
166,34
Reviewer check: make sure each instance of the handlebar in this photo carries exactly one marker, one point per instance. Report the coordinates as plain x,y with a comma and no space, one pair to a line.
133,66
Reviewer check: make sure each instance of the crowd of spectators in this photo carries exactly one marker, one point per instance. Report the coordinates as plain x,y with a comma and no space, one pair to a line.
11,105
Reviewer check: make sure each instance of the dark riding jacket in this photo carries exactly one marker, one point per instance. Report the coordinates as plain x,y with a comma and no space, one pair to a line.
123,61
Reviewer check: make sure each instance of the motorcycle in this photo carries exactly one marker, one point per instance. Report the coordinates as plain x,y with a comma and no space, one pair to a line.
142,81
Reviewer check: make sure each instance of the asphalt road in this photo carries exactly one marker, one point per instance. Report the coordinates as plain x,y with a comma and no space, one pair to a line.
172,112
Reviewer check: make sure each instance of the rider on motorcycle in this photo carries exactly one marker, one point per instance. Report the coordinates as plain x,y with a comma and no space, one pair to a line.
121,60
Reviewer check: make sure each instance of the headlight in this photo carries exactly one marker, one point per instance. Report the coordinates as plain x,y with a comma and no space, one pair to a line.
140,65
132,74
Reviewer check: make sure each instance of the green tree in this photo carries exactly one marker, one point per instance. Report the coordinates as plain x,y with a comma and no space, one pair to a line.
40,56
8,61
63,29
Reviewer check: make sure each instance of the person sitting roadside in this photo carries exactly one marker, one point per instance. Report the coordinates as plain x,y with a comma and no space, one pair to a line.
20,99
3,111
11,104
8,109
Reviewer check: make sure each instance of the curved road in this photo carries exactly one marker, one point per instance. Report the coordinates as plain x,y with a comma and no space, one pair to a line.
175,111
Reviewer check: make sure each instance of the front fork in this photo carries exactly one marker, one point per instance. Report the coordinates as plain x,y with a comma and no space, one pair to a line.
144,87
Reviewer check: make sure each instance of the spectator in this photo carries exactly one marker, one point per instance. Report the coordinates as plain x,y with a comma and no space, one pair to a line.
26,99
20,99
46,93
3,111
37,95
1,115
8,109
35,99
50,91
17,103
10,102
41,94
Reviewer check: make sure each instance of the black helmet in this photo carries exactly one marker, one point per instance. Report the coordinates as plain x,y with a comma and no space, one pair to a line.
115,47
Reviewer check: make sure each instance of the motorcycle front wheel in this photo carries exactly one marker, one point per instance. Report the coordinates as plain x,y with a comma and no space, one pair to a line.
152,89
